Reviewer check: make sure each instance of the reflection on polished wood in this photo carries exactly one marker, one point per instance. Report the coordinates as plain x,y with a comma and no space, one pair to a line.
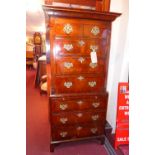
76,86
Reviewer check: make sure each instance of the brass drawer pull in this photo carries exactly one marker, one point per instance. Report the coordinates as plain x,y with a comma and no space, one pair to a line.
80,78
80,102
79,128
81,59
81,42
95,30
96,104
94,48
68,84
63,106
94,130
92,83
68,65
79,114
93,65
68,47
68,28
63,120
63,134
95,117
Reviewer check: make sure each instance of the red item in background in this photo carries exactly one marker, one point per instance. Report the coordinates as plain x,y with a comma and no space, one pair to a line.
122,121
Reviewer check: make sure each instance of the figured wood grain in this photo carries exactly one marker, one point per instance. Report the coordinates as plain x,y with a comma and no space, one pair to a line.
78,97
78,104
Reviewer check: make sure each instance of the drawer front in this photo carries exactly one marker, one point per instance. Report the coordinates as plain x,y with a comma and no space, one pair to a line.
77,131
68,29
63,119
79,83
90,130
63,133
60,105
95,31
78,65
79,46
83,117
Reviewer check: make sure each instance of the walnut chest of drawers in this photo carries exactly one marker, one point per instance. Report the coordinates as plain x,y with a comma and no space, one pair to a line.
77,85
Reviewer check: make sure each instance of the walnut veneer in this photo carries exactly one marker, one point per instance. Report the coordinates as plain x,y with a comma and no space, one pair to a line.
76,85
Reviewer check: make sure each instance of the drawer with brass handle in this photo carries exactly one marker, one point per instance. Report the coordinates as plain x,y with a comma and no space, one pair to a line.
67,118
78,104
95,31
68,29
79,47
79,65
63,133
77,131
79,83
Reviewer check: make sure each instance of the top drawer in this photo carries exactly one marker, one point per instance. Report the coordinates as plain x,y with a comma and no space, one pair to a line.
68,29
95,31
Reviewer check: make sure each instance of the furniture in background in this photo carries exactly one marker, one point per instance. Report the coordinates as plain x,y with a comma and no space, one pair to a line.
37,39
43,84
77,67
29,58
29,55
41,70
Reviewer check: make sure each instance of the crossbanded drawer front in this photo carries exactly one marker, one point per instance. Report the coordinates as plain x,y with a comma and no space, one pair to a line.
78,104
63,133
77,131
89,130
65,46
95,31
68,29
79,83
67,118
94,117
78,65
63,119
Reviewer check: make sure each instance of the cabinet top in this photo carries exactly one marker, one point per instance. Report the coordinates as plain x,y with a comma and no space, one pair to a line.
51,11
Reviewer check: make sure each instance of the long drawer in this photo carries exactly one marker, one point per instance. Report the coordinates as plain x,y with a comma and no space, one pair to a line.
66,105
68,118
77,131
79,46
78,65
79,83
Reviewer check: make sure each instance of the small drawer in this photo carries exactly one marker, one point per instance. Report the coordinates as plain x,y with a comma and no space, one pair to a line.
79,65
68,29
79,83
95,31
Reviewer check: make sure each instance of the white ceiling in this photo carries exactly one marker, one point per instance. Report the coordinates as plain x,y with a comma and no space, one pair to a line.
35,21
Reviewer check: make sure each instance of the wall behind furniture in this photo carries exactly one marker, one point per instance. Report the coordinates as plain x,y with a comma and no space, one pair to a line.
118,64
